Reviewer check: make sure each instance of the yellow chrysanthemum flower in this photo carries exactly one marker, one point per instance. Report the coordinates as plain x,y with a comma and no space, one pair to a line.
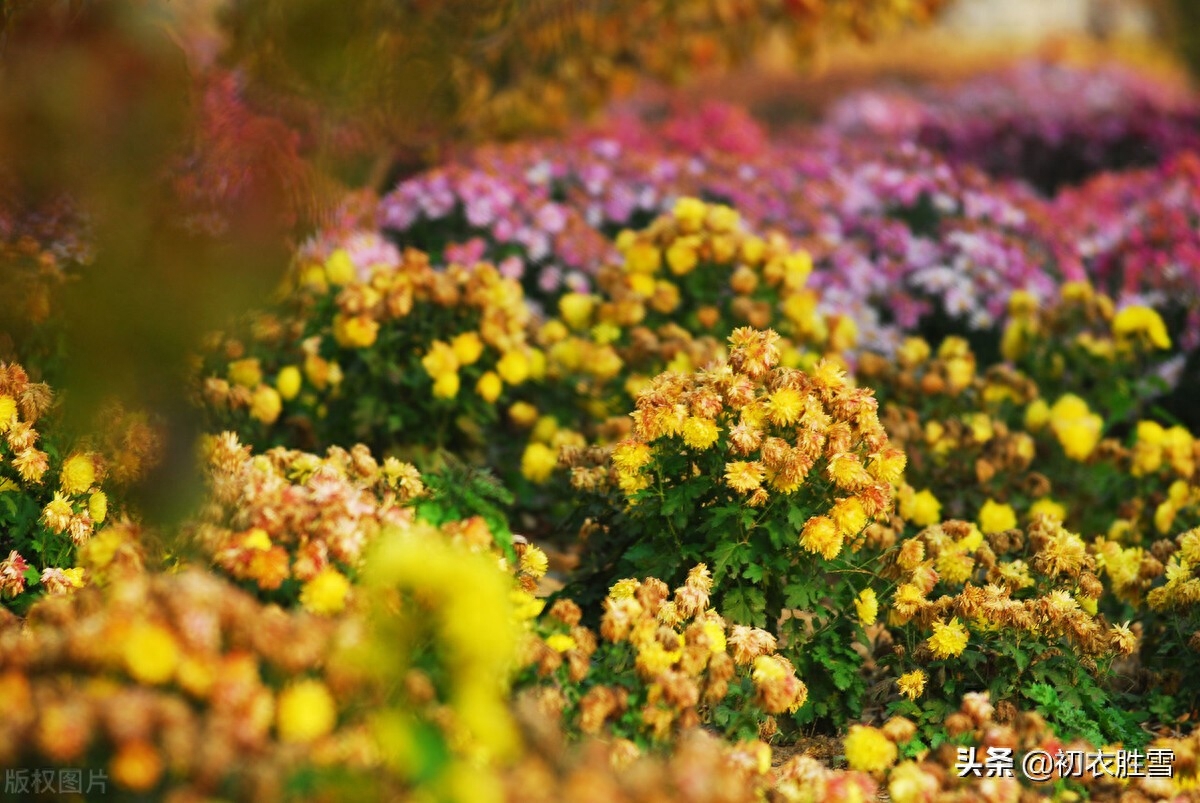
467,347
1076,427
912,684
266,404
1048,507
246,373
150,653
700,433
534,561
995,517
948,639
784,406
513,367
355,331
822,536
1141,321
288,382
306,712
97,507
78,474
8,413
489,387
869,750
560,642
538,462
326,593
744,476
922,508
339,268
446,386
57,514
866,605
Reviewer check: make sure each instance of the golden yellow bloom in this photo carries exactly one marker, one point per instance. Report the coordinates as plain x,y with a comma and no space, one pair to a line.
534,561
1037,415
623,589
716,636
266,404
339,268
97,507
326,593
576,309
355,332
150,653
744,476
866,605
822,536
78,474
700,433
690,213
288,382
446,386
467,347
306,712
246,373
560,642
913,351
912,684
996,517
888,465
784,406
1144,321
1048,507
256,538
849,515
489,387
513,367
948,639
869,750
1075,426
630,455
523,414
440,359
538,462
681,256
643,259
57,514
922,509
8,412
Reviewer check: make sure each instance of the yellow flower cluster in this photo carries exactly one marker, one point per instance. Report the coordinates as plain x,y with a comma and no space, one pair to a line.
1156,448
1048,589
365,307
685,657
762,279
1077,428
291,515
1182,588
185,663
775,426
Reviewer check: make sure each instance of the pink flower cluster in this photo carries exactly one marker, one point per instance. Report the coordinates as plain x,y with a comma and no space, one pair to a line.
1051,124
895,196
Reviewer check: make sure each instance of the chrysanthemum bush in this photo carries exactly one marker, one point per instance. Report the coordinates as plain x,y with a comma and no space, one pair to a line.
55,489
329,365
663,664
681,285
768,474
1013,613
